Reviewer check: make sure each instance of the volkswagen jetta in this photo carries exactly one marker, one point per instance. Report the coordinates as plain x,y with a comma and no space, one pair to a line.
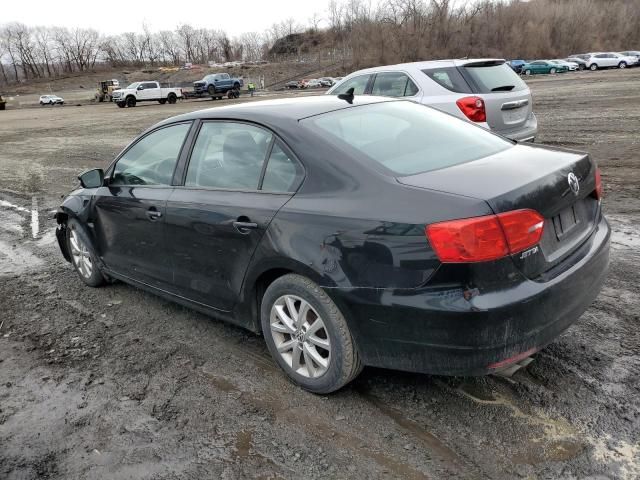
350,232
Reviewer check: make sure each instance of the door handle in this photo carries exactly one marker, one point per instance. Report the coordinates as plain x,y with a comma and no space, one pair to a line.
153,214
245,227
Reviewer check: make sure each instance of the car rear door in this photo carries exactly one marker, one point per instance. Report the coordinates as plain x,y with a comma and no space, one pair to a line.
507,98
130,210
229,196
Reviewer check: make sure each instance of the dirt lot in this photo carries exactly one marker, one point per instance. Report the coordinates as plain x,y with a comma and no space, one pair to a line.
116,383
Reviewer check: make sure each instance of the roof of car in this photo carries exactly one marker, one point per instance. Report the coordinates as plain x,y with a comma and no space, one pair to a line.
283,108
429,64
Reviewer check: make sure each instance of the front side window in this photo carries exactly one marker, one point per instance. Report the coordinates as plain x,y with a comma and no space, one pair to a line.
404,137
152,160
228,155
393,84
359,84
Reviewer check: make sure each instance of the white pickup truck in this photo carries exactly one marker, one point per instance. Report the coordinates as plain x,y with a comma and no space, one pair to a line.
145,92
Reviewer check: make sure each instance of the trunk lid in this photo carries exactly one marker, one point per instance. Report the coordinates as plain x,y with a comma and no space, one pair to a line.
528,177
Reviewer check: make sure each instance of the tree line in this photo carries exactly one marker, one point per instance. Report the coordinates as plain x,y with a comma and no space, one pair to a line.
390,31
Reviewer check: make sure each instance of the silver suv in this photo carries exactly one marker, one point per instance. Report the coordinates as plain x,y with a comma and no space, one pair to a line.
485,91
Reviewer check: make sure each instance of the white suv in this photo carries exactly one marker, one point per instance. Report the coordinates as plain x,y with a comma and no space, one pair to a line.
485,91
598,60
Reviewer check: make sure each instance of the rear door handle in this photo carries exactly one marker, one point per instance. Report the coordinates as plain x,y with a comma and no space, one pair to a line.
245,227
153,214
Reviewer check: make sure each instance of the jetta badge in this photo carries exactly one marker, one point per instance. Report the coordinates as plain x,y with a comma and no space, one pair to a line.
573,183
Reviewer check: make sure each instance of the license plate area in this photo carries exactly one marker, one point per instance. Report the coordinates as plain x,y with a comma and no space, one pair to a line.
565,222
515,115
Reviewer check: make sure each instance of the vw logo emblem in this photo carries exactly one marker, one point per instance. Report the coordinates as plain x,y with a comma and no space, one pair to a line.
573,183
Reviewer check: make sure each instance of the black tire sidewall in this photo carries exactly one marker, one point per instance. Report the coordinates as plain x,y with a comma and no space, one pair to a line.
96,279
334,377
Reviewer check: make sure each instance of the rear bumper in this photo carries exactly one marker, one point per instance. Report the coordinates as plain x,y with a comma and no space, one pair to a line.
465,331
525,133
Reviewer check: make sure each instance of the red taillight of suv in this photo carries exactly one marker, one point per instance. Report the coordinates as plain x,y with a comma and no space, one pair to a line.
481,239
473,108
599,191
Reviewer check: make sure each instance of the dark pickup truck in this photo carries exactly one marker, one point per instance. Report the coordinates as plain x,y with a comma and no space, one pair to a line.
217,84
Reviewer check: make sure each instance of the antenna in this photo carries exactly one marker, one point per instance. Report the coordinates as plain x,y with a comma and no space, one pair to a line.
348,96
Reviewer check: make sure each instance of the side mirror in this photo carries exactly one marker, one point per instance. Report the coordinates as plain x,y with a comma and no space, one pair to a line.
140,87
92,178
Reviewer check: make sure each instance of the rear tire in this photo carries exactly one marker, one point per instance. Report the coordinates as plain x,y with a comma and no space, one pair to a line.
622,65
131,102
162,101
83,257
307,335
552,71
172,98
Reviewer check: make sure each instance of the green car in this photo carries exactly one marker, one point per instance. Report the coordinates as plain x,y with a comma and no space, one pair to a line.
542,66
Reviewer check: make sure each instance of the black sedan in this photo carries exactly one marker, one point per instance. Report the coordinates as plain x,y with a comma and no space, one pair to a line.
350,232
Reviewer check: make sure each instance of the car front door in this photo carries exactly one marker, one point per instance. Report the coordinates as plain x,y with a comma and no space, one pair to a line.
216,219
148,91
130,210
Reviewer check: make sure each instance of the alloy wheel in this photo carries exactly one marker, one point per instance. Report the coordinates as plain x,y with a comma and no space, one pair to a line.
81,255
300,336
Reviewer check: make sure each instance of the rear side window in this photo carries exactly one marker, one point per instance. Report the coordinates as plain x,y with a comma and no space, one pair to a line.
449,78
228,155
404,137
152,160
393,84
283,174
359,84
493,78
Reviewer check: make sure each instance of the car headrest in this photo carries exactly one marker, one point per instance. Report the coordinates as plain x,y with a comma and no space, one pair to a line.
241,148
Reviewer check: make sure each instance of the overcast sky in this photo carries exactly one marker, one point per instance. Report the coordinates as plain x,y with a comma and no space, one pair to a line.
125,16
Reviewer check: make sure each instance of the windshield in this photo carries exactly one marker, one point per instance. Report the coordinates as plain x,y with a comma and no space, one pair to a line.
405,137
133,86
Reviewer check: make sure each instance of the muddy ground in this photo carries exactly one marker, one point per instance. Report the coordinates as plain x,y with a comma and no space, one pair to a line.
117,383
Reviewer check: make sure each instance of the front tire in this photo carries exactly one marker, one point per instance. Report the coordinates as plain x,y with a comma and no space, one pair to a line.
622,65
83,258
593,67
212,90
131,102
552,71
307,335
527,72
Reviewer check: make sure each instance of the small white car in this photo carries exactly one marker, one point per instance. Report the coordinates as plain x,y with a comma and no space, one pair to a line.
51,100
484,91
572,66
313,83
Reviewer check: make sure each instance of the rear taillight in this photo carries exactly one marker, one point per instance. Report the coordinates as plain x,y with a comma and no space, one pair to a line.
480,239
473,108
599,191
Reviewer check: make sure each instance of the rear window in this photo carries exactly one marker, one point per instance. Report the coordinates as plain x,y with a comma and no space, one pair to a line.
493,78
406,138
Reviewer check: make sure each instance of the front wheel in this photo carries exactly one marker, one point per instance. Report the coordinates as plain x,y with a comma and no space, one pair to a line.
593,67
527,72
131,102
307,335
552,71
212,90
83,258
622,65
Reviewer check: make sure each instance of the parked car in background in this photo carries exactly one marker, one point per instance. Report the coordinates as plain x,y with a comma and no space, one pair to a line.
543,66
571,66
327,81
582,65
632,53
51,100
516,65
582,56
629,60
381,233
484,91
599,60
292,84
217,85
313,83
145,92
